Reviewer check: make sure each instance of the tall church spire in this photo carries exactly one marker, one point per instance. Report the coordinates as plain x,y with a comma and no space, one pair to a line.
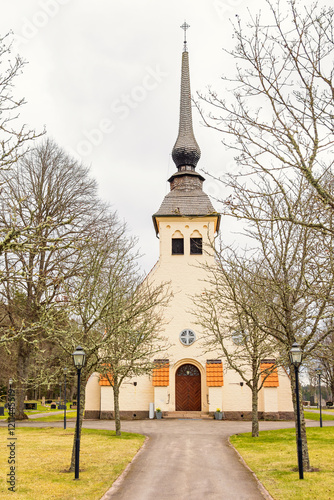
186,197
186,151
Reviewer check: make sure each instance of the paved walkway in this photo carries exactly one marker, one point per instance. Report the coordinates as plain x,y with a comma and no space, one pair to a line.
184,460
46,414
313,410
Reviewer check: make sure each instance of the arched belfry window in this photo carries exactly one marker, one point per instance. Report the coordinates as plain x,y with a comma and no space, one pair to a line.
177,243
196,243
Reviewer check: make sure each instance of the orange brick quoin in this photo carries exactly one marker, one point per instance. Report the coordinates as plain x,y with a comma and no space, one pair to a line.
272,379
214,373
161,373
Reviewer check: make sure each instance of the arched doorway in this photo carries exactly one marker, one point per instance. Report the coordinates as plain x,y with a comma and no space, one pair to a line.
188,388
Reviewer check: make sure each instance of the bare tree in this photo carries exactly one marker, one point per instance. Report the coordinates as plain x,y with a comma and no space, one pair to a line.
324,357
289,270
223,311
15,139
278,113
12,137
52,195
110,312
279,120
133,334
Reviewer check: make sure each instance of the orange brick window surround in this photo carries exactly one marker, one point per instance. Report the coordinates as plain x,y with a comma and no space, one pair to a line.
214,373
161,373
268,366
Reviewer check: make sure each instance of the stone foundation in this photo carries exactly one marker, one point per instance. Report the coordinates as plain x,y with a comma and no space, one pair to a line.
227,415
125,415
247,415
92,414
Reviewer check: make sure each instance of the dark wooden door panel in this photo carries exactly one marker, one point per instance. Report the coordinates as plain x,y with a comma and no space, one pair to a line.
188,389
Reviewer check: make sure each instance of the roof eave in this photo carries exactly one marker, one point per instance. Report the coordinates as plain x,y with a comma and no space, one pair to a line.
213,214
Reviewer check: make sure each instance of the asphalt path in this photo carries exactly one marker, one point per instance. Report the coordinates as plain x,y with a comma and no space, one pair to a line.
313,410
184,460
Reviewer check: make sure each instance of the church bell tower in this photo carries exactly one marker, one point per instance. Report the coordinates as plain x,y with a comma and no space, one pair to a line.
186,199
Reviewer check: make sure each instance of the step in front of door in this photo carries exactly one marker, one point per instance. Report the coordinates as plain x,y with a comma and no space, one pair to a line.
187,415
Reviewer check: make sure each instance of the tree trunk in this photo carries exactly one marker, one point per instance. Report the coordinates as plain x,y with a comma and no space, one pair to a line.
82,410
255,417
116,409
72,391
21,373
306,459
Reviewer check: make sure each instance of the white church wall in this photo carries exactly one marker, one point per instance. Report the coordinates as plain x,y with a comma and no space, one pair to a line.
215,398
284,395
187,279
270,399
137,397
132,397
260,400
161,398
107,398
93,395
236,398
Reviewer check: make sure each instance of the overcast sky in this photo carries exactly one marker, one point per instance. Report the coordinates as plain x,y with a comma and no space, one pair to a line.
103,77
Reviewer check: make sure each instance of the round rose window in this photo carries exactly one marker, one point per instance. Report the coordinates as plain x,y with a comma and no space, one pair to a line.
187,337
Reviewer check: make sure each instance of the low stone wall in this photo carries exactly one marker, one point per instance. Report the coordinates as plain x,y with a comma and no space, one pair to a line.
92,414
125,415
247,415
228,415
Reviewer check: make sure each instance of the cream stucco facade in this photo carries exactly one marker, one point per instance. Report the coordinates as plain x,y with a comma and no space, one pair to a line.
187,279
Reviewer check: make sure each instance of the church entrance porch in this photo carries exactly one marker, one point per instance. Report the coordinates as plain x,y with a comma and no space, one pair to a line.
188,388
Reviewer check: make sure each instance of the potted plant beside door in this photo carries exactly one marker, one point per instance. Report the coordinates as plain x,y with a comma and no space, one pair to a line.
158,413
218,414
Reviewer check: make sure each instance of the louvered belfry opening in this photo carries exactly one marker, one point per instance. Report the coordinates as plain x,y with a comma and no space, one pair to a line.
188,388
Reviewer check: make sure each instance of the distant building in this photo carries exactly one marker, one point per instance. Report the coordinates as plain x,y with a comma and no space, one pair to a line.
189,380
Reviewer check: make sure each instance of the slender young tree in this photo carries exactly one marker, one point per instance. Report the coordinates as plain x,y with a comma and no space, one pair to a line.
223,311
293,280
133,334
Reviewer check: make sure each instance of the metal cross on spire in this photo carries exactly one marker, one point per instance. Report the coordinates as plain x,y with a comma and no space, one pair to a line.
185,26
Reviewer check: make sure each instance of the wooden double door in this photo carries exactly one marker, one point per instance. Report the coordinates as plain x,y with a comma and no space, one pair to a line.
188,388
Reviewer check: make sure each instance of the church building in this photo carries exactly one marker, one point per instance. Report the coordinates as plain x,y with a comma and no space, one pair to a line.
190,381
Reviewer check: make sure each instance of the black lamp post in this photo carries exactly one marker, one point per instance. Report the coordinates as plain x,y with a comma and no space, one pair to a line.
296,358
65,371
319,373
79,358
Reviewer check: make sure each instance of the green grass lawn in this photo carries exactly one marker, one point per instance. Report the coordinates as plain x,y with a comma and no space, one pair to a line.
273,458
316,415
44,454
43,409
56,418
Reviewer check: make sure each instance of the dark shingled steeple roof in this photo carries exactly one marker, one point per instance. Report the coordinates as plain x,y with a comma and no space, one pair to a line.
186,150
186,197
